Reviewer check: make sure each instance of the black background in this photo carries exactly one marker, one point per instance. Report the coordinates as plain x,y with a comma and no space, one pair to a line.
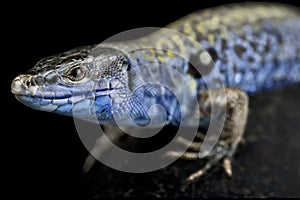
42,153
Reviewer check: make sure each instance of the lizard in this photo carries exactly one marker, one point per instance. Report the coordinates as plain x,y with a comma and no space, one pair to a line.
254,46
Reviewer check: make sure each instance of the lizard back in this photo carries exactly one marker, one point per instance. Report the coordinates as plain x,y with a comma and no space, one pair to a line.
254,46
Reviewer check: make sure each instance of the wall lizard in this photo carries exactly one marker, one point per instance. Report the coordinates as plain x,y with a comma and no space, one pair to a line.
254,46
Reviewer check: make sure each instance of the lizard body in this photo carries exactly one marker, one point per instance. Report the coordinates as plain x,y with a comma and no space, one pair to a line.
255,47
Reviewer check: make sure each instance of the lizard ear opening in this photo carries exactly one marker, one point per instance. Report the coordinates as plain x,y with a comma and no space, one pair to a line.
123,63
128,66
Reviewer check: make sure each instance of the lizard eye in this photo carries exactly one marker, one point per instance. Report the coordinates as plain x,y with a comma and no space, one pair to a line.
76,73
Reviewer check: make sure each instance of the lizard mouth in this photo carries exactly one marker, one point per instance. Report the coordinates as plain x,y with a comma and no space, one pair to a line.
64,99
44,100
50,104
21,87
49,98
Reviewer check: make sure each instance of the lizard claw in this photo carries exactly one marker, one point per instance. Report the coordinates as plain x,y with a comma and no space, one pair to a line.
227,167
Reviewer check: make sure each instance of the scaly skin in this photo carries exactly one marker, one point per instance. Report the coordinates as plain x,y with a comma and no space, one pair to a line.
255,47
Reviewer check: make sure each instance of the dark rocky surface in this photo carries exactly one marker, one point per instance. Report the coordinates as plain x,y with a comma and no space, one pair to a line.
267,165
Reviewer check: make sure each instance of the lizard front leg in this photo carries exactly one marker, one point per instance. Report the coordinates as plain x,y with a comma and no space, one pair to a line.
236,107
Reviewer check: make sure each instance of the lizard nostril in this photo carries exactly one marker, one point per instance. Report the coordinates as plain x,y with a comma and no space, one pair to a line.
24,85
20,84
28,83
26,80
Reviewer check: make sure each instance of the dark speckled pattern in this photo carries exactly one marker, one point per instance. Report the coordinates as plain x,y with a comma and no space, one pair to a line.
255,46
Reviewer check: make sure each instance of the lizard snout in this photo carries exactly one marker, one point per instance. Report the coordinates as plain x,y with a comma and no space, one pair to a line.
23,85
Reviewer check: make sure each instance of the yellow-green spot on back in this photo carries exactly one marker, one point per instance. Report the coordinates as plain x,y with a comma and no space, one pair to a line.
170,54
189,31
211,39
192,83
161,58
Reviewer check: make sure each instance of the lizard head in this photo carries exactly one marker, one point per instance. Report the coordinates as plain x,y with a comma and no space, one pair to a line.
82,82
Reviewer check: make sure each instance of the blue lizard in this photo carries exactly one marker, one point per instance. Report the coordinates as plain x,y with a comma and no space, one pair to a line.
254,47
